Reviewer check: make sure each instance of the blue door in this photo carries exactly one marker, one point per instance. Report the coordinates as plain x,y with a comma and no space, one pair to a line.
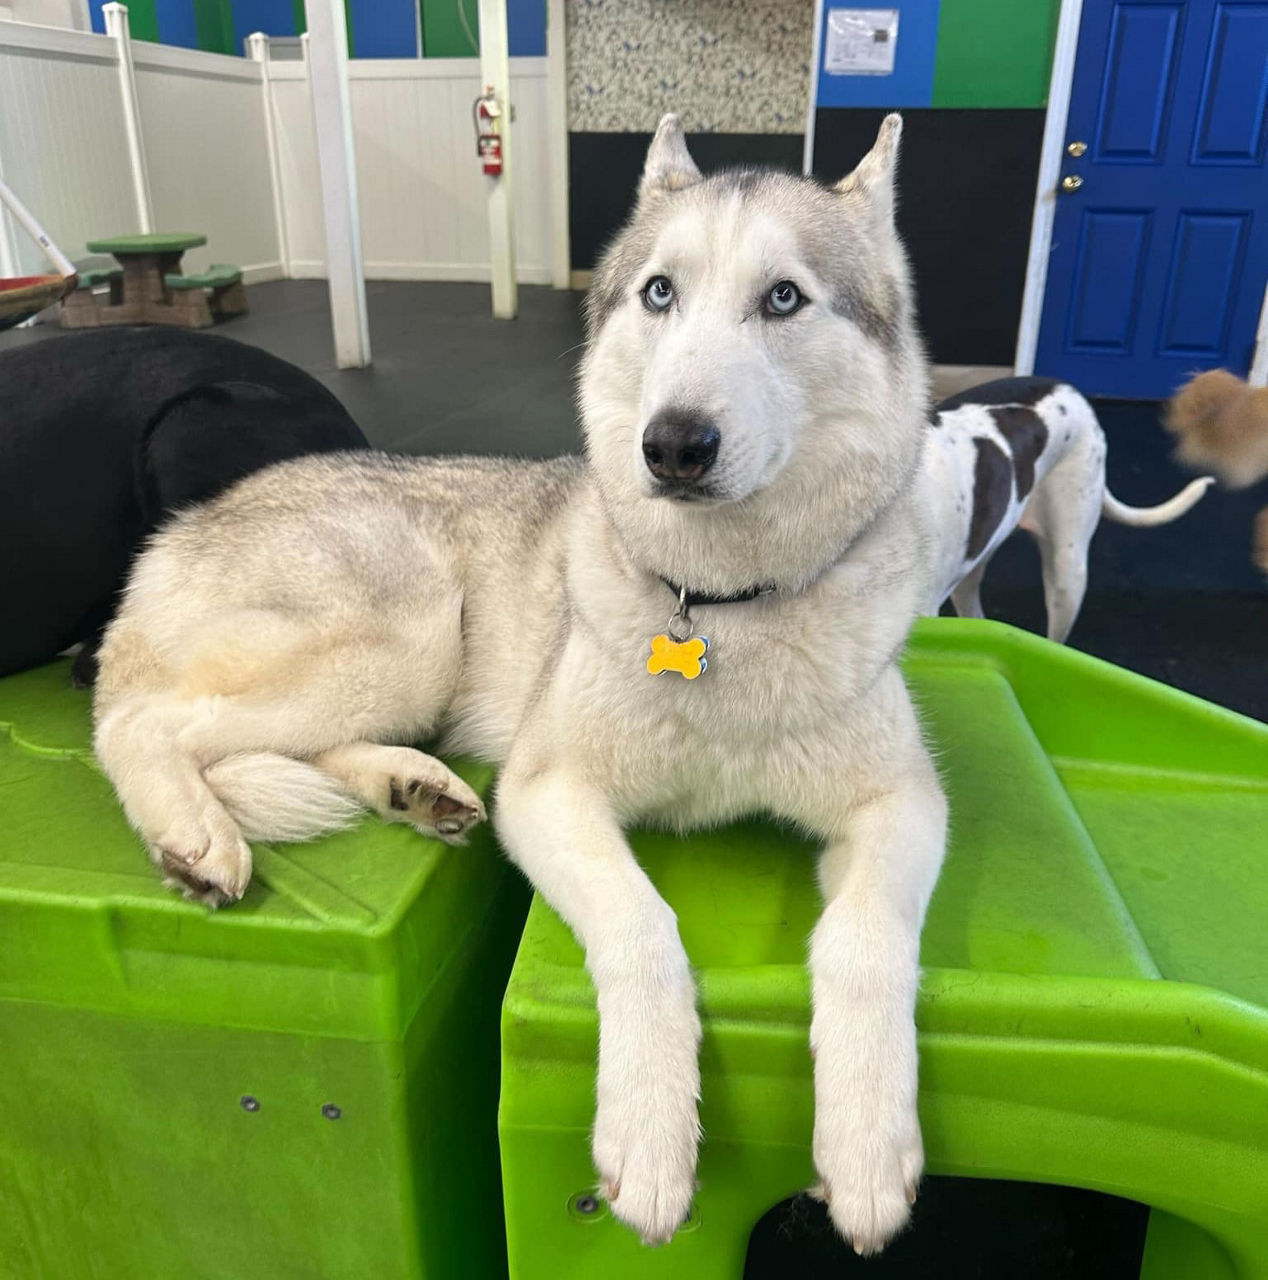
1160,240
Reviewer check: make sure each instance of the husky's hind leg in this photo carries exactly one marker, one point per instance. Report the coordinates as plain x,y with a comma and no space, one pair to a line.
405,785
221,748
167,799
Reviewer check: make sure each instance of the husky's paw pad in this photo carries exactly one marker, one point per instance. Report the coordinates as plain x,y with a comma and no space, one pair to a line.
446,810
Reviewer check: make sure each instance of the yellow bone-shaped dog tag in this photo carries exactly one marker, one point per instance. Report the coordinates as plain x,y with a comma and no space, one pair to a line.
683,656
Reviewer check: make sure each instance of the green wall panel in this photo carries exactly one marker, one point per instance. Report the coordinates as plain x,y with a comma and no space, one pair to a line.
994,53
213,20
143,20
443,35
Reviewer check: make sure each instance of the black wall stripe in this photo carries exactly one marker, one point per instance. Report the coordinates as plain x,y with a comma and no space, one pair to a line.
603,170
967,186
967,190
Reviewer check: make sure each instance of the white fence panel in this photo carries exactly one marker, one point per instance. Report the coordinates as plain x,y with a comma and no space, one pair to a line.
297,167
423,208
63,148
206,145
62,143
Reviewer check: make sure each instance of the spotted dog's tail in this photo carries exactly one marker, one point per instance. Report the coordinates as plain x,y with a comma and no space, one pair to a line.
1163,513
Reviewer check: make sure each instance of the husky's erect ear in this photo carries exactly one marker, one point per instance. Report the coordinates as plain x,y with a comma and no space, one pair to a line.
872,183
669,166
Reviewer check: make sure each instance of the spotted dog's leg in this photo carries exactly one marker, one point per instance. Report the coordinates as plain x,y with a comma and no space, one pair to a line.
1063,514
966,594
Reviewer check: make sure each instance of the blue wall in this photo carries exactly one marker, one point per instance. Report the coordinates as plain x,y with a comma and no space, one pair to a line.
380,28
526,28
383,28
911,84
273,17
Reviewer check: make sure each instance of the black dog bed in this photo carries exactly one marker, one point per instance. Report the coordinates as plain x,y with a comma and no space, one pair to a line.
104,433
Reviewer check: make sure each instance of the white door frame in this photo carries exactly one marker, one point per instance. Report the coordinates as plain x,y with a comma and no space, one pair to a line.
557,131
808,150
1046,188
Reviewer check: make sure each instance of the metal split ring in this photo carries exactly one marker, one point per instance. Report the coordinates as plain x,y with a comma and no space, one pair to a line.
680,627
680,619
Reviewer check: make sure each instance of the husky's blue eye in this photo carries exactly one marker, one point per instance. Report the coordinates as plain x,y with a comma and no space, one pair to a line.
658,293
783,299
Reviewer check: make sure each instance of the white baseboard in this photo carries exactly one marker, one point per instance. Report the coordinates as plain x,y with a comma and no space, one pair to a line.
262,273
307,269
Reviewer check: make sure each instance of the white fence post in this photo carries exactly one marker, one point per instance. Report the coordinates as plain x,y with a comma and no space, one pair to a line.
336,159
258,48
495,73
557,133
116,19
8,239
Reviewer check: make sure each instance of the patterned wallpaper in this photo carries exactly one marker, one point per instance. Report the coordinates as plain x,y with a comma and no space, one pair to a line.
726,66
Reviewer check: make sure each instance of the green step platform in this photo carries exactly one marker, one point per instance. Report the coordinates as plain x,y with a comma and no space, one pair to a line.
1094,1007
218,276
302,1086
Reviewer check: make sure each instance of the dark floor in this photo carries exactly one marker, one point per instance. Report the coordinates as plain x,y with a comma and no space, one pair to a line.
446,377
1180,603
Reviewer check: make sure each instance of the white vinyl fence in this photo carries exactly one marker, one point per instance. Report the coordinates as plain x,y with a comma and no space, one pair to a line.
229,151
424,214
63,147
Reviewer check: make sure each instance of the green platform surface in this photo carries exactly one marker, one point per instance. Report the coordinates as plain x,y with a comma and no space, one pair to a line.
363,970
1094,1001
150,242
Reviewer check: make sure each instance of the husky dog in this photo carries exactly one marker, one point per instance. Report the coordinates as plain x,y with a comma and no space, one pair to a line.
754,402
1025,452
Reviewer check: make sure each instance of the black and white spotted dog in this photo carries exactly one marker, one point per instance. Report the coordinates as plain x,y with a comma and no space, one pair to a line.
1028,452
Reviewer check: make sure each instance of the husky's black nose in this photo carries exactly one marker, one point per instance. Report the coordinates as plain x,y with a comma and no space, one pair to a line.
679,445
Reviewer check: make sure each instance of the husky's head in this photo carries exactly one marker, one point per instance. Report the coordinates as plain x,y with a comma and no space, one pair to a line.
753,392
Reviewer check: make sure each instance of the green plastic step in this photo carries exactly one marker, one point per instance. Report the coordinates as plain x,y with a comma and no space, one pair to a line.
215,277
1094,1002
95,276
167,1073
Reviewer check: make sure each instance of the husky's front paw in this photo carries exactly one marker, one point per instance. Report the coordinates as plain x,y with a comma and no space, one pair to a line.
646,1128
645,1153
870,1171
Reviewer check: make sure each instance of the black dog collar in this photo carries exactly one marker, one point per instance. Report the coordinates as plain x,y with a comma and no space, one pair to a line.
688,600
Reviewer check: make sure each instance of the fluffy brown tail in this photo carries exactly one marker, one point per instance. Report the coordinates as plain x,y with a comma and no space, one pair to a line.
1163,513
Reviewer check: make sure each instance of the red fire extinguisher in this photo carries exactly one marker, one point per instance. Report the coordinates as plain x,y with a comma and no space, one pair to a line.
488,122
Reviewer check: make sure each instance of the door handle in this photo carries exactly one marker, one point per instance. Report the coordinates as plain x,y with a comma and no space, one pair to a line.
1071,182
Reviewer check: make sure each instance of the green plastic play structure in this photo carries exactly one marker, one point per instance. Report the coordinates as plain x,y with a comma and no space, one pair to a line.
1094,1009
306,1084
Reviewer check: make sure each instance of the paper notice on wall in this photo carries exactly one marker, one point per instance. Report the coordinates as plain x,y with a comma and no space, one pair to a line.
860,42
